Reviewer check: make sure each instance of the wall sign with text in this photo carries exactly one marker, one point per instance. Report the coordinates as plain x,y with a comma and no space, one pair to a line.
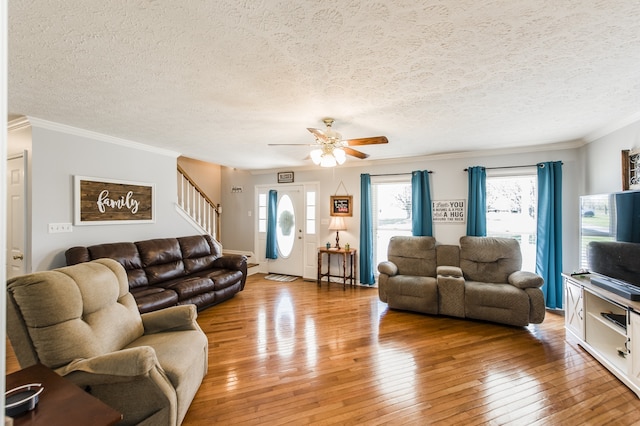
449,211
108,201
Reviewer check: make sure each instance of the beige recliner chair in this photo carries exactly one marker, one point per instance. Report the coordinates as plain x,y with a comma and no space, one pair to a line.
82,322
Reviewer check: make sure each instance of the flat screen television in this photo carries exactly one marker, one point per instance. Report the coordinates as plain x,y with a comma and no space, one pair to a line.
610,239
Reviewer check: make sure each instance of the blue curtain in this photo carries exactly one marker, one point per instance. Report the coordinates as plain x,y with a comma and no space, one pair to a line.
549,238
477,208
272,244
421,221
367,275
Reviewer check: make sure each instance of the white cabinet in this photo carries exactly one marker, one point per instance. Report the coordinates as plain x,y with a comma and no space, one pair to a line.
607,326
635,347
574,308
606,329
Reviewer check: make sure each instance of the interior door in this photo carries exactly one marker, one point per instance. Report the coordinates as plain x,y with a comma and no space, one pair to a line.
16,263
290,223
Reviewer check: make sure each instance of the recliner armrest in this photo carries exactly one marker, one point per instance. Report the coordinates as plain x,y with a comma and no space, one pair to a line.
449,271
236,262
129,362
174,318
388,268
525,279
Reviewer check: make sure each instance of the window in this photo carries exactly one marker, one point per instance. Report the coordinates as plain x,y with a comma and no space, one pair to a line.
262,212
512,212
311,212
391,202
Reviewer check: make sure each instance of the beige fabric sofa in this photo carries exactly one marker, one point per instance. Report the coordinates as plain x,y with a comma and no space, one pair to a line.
82,322
480,279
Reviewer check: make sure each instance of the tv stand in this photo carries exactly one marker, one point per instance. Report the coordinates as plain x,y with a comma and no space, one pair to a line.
607,325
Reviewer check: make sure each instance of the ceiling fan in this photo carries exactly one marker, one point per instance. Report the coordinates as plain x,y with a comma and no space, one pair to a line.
331,150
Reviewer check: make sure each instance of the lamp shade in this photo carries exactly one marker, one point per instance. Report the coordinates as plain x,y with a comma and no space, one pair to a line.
337,224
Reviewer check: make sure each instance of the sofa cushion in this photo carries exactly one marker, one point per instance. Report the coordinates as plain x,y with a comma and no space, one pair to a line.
159,251
501,303
223,278
190,287
413,255
413,293
489,259
150,298
197,253
127,255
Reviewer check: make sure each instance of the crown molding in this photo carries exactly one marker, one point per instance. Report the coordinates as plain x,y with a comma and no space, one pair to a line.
606,130
558,146
63,128
18,124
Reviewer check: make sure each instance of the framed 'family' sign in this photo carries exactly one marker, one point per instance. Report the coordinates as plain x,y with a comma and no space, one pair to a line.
108,201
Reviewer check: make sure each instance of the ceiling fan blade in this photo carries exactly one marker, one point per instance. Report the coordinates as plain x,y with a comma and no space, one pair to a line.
367,141
318,133
355,153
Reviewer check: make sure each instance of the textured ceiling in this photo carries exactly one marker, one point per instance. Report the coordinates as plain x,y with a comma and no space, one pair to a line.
219,80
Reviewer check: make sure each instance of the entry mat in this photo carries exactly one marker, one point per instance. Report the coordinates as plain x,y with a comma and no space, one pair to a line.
277,277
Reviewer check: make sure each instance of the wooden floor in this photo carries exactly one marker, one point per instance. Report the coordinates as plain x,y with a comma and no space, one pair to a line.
293,353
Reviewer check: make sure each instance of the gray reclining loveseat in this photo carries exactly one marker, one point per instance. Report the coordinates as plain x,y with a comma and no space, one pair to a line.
480,279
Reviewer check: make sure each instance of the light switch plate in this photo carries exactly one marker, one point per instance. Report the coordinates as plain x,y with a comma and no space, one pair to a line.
55,228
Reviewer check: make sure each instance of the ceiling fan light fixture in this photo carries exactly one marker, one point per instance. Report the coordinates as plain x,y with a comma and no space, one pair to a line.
316,156
328,160
331,150
340,155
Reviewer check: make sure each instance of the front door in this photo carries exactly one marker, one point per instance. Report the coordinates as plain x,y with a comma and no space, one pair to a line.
290,224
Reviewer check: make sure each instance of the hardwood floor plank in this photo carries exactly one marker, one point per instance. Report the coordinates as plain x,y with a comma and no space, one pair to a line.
293,353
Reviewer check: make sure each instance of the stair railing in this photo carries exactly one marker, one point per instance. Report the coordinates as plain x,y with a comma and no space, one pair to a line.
197,205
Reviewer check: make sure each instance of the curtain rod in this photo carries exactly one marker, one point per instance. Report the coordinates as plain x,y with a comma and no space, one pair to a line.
397,174
509,167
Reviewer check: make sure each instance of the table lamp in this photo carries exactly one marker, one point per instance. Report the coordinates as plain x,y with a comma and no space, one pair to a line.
337,224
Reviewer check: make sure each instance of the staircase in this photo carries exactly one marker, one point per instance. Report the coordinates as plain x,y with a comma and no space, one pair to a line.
195,204
203,213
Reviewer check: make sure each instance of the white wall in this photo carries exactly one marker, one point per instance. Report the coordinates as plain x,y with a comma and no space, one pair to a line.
58,155
603,164
448,182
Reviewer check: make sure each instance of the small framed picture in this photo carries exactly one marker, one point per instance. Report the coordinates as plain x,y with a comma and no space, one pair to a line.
285,177
341,205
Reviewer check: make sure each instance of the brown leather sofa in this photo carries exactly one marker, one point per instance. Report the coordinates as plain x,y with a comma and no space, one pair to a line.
166,272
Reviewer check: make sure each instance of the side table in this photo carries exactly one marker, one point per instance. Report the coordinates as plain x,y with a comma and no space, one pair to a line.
347,256
61,402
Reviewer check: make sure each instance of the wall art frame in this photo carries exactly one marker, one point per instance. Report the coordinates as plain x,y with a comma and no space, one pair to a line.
630,169
285,177
101,201
341,205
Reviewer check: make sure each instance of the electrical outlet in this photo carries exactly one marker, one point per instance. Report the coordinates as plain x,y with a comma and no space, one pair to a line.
55,228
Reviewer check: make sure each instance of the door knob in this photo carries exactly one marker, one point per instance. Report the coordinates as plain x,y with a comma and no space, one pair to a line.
18,257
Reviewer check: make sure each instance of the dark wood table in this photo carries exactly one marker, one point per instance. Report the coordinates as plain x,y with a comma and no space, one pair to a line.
61,402
348,256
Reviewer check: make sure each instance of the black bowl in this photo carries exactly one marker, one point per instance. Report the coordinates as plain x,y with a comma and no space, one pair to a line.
22,399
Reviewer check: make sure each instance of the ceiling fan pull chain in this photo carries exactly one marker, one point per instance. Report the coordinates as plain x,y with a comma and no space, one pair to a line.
341,185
